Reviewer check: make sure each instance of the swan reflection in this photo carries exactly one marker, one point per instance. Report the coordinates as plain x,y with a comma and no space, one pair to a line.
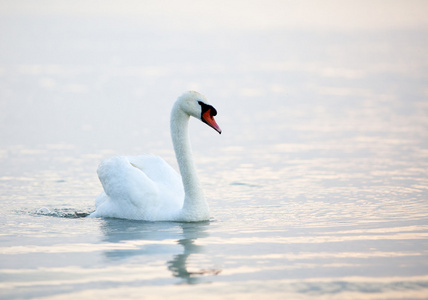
154,239
179,264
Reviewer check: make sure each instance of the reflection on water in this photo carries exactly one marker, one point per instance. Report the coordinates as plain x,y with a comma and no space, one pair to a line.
179,265
152,238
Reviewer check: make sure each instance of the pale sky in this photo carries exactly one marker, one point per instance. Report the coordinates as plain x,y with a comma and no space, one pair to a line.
240,14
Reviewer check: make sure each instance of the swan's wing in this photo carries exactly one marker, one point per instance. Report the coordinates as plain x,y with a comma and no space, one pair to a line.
121,180
130,193
164,177
140,187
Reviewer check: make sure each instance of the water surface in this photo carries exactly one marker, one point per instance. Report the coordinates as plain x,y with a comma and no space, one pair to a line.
318,185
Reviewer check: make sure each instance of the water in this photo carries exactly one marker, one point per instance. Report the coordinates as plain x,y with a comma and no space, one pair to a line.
318,185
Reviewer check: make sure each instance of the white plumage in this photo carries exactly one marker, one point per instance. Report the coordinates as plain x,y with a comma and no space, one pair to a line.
146,188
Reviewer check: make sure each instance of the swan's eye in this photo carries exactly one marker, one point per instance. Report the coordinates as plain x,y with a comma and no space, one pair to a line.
207,107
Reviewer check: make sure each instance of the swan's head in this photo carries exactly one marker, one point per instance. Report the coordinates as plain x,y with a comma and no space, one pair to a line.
196,105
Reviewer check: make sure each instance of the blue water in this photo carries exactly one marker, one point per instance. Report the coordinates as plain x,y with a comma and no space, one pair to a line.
318,185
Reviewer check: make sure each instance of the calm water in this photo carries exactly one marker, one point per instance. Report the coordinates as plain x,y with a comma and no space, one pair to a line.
318,185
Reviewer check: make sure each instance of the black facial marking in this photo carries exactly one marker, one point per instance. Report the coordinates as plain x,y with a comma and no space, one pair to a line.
205,108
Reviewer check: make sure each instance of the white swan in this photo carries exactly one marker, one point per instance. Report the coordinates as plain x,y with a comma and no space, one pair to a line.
146,188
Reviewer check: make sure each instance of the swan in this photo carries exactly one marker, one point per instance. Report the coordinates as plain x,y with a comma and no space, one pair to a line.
145,187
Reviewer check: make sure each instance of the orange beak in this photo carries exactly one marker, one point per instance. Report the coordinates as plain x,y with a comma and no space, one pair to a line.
209,119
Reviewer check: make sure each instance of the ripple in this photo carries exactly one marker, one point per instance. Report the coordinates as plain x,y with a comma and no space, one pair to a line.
61,213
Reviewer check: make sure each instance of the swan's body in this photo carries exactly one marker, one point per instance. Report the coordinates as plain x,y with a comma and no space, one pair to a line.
146,188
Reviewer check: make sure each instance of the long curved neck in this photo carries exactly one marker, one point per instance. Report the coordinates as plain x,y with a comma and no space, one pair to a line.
194,196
